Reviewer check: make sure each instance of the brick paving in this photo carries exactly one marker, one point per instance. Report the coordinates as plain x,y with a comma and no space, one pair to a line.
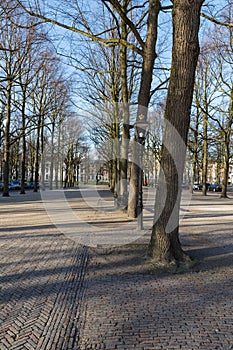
56,294
149,311
42,274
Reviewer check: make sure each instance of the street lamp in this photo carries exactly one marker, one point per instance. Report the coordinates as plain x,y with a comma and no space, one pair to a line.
141,126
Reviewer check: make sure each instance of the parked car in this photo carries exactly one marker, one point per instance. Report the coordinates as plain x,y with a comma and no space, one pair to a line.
198,187
215,188
14,185
30,185
10,187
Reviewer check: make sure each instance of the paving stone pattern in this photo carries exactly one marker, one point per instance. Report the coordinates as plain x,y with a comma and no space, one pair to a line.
57,295
41,279
147,311
128,307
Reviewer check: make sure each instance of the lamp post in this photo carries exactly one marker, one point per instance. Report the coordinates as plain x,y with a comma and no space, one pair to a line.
141,127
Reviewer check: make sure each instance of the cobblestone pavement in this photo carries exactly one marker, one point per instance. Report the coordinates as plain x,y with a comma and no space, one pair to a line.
41,279
130,305
145,311
57,295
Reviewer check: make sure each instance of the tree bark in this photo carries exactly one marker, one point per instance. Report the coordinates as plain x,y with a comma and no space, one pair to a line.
125,112
226,164
205,154
23,157
52,156
205,135
165,246
149,56
227,144
58,164
37,153
7,140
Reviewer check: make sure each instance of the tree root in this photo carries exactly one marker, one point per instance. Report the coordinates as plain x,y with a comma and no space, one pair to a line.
173,266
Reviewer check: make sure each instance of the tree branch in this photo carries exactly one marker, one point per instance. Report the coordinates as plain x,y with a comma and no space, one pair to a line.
165,8
116,5
159,86
216,21
95,38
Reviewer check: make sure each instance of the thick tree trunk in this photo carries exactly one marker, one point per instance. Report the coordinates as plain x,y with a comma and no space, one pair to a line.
165,245
149,56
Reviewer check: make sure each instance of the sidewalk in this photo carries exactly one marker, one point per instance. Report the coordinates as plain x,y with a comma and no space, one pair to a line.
56,294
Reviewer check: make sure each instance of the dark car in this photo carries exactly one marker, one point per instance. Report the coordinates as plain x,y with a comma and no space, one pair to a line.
30,185
215,188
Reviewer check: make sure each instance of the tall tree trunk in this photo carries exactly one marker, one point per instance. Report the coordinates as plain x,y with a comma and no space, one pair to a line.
58,160
115,155
7,140
37,154
23,156
52,156
195,170
226,164
125,111
205,155
205,135
149,56
195,146
165,246
32,159
227,144
42,154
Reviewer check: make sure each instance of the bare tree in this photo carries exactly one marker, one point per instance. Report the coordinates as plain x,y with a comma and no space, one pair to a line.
222,75
42,106
60,92
165,246
204,96
145,48
195,146
214,99
9,68
27,56
73,149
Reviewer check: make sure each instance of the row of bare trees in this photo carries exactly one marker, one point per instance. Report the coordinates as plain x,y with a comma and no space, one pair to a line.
126,34
212,120
35,102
